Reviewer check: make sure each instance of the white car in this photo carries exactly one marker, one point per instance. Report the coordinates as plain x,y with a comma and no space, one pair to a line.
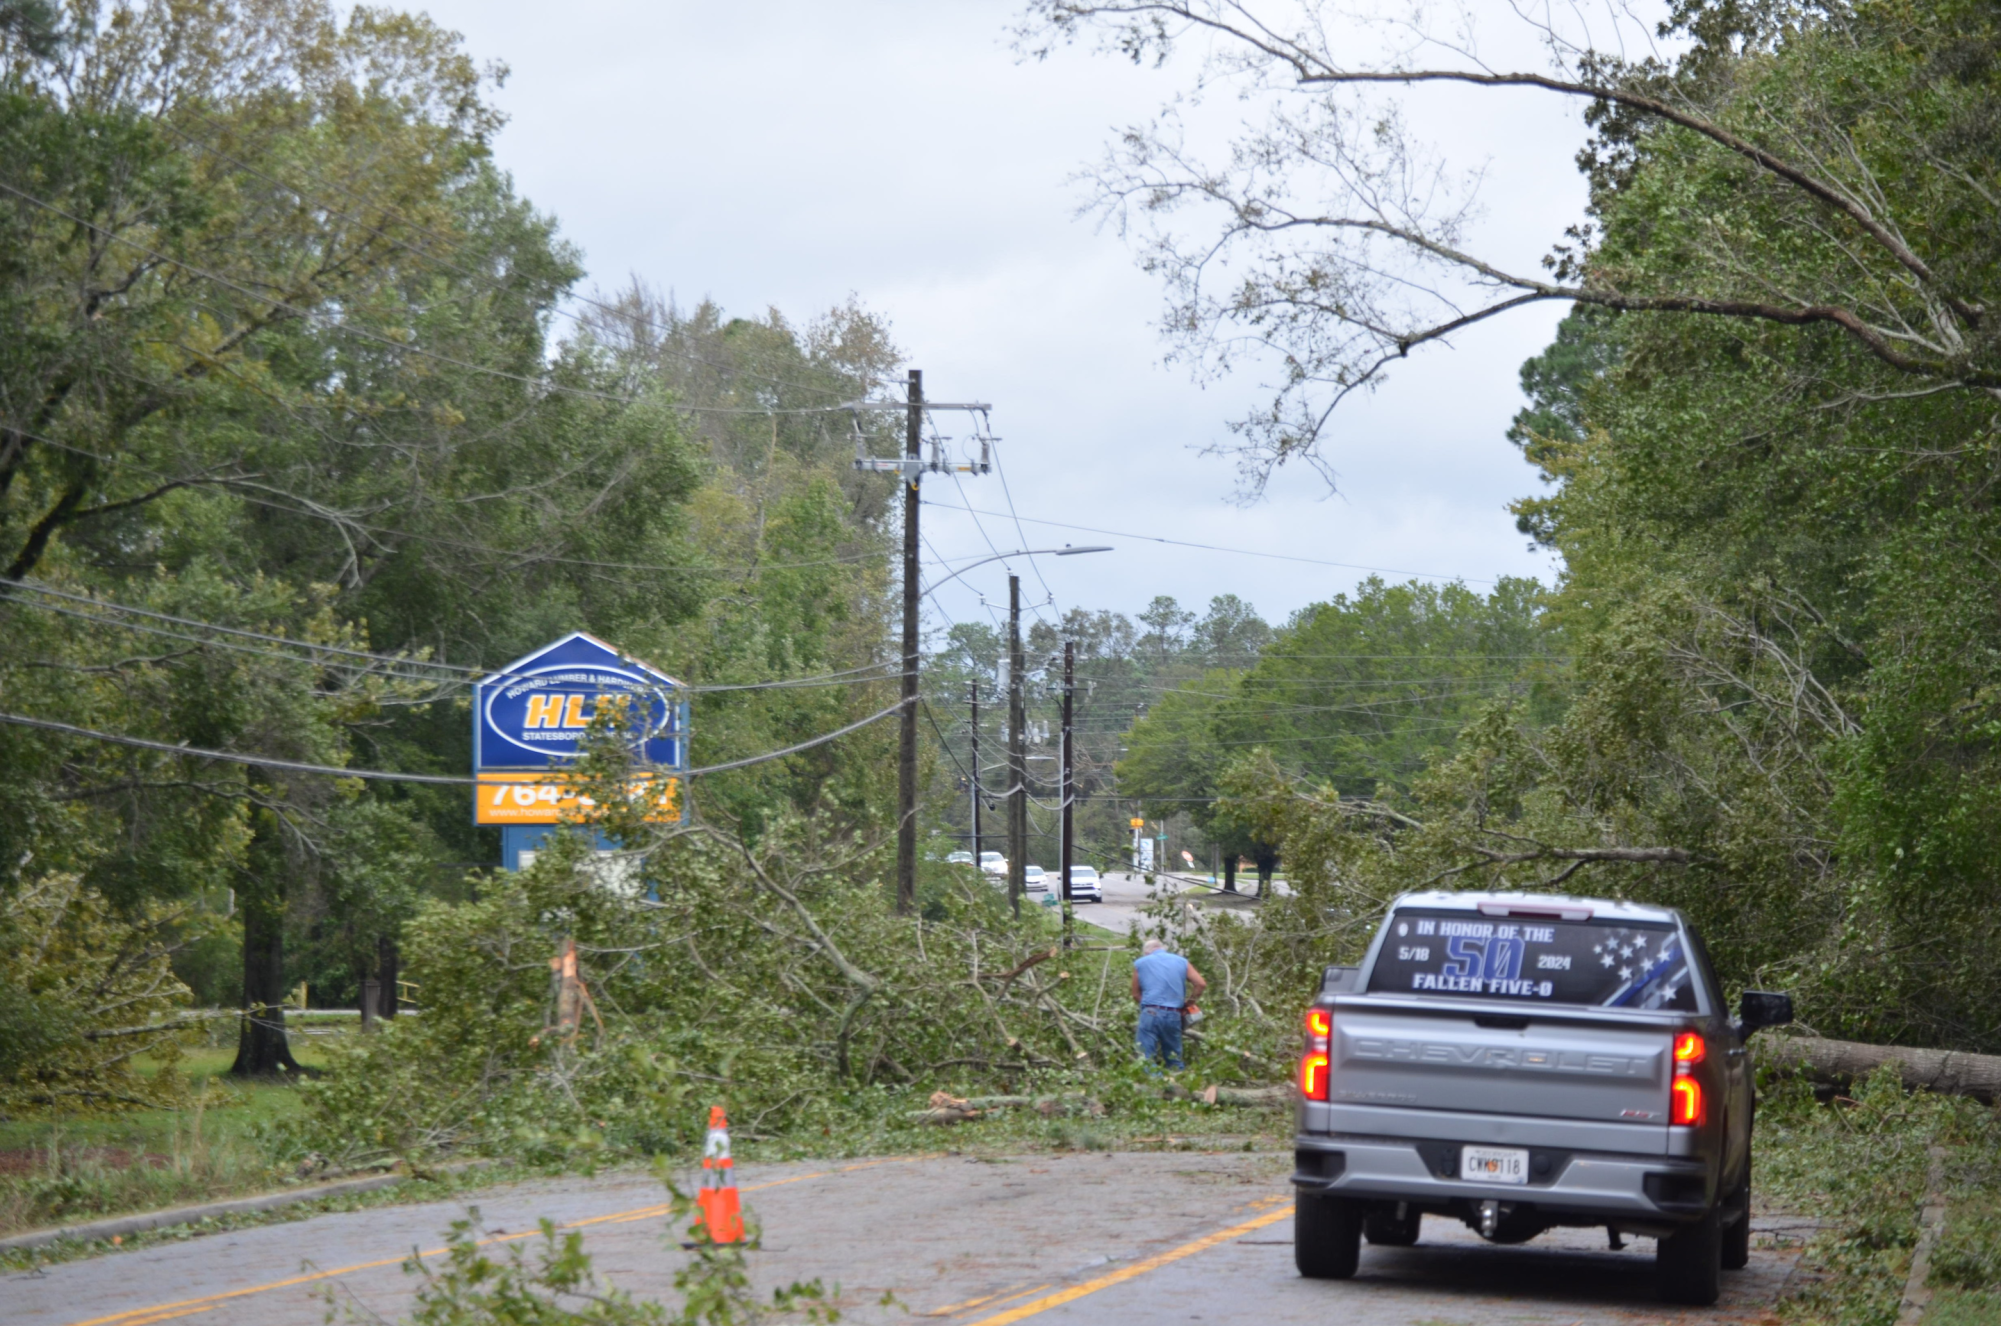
993,863
1034,878
1084,884
959,859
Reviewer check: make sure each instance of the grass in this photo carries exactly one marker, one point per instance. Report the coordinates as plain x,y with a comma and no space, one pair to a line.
1964,1307
1859,1163
58,1169
1966,1261
418,1188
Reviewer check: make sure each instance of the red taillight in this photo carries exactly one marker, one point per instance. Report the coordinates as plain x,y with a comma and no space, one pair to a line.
1685,1101
1684,1090
1313,1075
1313,1063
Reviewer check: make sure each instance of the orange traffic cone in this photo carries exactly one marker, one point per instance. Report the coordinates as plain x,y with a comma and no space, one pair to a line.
717,1198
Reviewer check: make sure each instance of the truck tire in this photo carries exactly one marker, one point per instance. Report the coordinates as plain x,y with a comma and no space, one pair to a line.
1326,1236
1383,1228
1737,1238
1689,1262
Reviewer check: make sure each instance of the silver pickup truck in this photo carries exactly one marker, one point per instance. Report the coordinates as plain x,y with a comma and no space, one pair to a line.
1522,1061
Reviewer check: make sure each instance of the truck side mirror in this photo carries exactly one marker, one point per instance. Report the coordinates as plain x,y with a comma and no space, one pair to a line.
1339,980
1763,1008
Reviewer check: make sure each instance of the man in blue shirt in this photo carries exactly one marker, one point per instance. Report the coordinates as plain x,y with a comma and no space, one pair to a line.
1164,984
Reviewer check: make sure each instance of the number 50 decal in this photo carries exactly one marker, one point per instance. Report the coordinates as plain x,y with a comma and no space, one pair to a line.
1497,959
1463,956
1504,959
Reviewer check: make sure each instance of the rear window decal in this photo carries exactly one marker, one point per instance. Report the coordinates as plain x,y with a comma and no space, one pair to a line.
1638,965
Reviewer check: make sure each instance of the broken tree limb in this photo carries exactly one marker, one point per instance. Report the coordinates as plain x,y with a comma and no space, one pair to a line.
1221,1095
1949,1072
943,1116
946,1109
1283,1095
1639,855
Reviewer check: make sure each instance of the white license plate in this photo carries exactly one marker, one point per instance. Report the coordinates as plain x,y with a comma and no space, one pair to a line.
1493,1164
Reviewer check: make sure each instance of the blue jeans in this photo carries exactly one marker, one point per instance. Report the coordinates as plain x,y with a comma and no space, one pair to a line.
1159,1036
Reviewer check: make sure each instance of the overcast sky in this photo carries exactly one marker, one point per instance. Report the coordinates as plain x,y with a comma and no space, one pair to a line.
788,152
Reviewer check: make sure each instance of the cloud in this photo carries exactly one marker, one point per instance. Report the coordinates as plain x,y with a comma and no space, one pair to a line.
785,154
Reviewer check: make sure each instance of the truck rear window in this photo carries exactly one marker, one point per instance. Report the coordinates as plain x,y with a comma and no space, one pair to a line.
1461,955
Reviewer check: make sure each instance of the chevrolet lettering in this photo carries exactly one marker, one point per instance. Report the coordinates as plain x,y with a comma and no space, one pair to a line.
1504,1056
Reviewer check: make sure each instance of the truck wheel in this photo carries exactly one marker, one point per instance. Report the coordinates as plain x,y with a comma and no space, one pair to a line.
1383,1228
1326,1236
1690,1262
1737,1238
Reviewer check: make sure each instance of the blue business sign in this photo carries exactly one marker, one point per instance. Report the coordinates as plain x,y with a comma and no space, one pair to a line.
533,714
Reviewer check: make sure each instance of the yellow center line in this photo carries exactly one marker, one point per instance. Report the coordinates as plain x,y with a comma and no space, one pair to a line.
190,1306
991,1301
1125,1273
951,1308
994,1300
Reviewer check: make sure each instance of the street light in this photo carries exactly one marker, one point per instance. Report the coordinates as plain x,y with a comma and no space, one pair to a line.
1017,815
1065,551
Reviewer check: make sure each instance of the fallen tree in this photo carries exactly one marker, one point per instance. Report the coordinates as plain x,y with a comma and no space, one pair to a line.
1948,1072
947,1108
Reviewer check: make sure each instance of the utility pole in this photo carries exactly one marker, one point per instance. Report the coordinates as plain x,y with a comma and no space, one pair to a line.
976,774
910,466
906,755
1017,756
1069,785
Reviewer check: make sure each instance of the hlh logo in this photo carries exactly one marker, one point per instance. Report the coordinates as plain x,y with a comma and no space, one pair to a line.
534,713
558,711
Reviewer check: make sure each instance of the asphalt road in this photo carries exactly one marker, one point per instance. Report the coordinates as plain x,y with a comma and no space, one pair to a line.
1127,894
1152,1237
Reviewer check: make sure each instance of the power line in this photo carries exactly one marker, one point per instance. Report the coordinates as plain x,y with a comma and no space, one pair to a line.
1442,657
943,744
1337,736
822,740
1214,547
1008,494
382,775
293,766
462,673
1331,683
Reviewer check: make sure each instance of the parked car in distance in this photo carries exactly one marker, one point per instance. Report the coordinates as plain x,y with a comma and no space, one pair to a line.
1084,884
993,863
1034,878
959,859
